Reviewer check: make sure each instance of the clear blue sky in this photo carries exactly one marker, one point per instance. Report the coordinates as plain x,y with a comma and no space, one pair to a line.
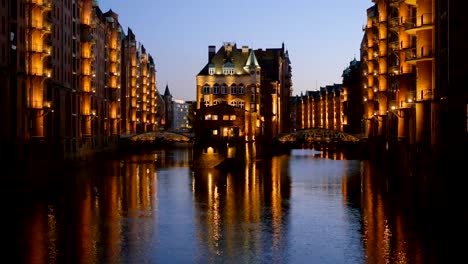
321,36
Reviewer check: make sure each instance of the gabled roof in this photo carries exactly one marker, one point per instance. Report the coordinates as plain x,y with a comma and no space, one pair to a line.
222,58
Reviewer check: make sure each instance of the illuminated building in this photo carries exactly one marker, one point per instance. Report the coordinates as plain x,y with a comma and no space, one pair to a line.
320,108
414,61
243,94
64,94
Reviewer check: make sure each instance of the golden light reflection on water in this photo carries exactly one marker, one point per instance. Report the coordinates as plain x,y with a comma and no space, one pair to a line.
240,212
236,201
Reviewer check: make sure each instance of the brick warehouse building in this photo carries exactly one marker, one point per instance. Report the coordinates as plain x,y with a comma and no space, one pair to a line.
414,62
72,80
244,94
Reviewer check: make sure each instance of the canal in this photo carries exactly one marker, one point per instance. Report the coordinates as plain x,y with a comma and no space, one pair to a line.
303,206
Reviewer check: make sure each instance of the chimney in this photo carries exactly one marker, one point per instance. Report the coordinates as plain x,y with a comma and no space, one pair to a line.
211,52
245,49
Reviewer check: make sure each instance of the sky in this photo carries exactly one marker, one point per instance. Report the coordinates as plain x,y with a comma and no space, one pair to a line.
321,36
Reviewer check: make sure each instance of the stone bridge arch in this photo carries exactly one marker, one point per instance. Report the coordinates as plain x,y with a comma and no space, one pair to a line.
317,135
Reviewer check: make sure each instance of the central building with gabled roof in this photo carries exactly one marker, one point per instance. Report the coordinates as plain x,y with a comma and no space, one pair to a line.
242,94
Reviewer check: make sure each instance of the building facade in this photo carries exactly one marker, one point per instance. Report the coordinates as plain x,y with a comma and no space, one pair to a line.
413,58
320,109
71,82
243,94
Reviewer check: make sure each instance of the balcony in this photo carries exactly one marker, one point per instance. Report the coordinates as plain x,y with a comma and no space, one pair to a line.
40,48
46,5
394,70
41,25
394,23
40,72
395,2
422,22
413,56
424,95
394,45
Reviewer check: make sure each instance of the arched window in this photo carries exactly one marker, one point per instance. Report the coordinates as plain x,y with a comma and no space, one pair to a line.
241,89
216,88
223,89
206,89
238,103
233,89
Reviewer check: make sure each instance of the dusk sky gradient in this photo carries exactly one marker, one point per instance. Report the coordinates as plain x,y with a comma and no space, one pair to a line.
321,36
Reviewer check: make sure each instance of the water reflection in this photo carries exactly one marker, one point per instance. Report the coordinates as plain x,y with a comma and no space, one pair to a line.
301,207
243,214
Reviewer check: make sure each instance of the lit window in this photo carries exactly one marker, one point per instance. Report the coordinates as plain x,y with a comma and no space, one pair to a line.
215,132
241,104
225,117
228,70
207,117
233,117
215,117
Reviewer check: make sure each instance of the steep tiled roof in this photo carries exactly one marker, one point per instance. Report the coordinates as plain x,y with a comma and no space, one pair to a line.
222,56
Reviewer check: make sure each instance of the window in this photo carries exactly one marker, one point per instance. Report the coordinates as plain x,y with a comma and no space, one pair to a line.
233,89
238,103
216,89
207,103
208,117
218,101
225,117
223,89
215,132
241,89
211,70
228,70
206,89
215,117
233,117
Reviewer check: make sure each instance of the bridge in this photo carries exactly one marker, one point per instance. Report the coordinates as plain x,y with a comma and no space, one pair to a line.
155,137
317,135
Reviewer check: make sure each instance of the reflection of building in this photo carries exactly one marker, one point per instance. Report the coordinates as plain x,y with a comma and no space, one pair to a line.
251,89
231,200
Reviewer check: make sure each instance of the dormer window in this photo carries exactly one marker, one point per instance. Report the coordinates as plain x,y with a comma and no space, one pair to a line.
228,68
211,69
228,71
